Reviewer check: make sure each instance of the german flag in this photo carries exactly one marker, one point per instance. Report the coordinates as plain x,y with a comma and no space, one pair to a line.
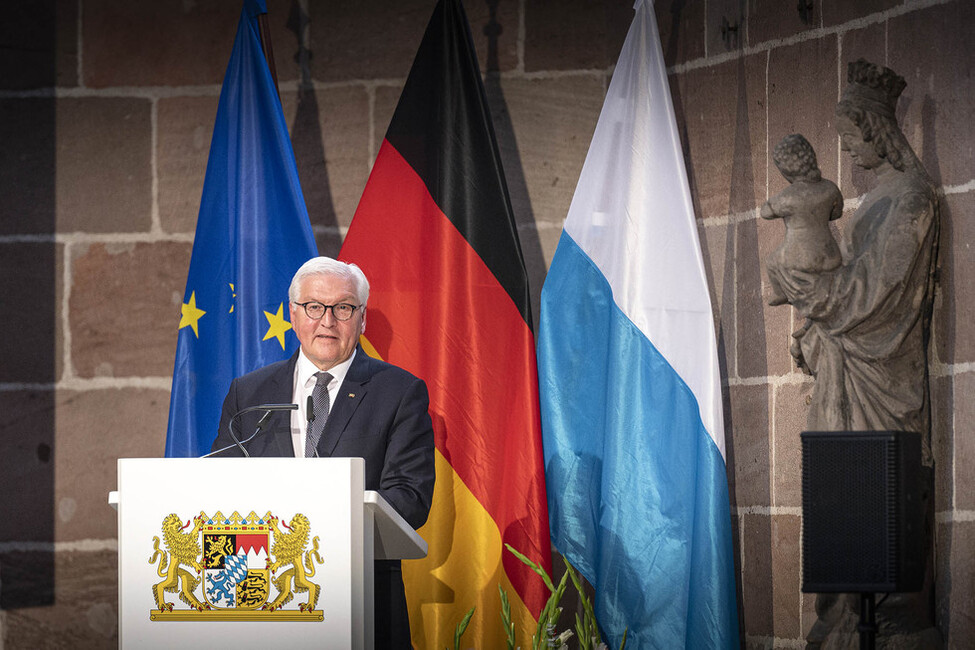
449,301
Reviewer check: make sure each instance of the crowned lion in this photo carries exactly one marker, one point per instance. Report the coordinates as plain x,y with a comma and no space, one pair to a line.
288,550
184,549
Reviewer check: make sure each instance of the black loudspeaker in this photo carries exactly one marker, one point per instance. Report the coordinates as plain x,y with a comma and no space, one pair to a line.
862,517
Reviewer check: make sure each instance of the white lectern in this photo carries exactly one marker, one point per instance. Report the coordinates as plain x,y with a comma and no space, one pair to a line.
251,552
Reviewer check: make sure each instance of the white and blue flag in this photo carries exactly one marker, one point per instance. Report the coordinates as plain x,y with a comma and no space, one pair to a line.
629,382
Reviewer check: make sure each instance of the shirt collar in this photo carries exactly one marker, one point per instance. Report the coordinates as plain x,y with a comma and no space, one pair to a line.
306,370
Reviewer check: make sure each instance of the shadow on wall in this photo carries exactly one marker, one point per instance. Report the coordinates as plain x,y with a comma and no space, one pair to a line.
29,262
740,281
750,322
942,389
531,247
307,142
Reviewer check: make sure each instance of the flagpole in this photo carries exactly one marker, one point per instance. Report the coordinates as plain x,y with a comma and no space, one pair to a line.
265,33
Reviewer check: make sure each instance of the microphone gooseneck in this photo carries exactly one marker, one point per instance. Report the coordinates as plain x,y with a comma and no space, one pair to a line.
270,408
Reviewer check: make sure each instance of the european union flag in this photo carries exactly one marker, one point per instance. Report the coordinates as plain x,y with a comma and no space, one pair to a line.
251,236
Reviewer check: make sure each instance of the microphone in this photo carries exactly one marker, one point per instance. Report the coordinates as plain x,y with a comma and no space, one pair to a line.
270,408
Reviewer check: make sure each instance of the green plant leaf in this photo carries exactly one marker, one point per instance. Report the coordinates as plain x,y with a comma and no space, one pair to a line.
589,619
581,633
462,627
534,567
509,627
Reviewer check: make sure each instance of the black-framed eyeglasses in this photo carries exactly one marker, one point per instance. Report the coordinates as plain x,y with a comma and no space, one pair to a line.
316,310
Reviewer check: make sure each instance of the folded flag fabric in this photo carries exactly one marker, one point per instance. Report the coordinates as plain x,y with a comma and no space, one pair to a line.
449,301
252,234
629,381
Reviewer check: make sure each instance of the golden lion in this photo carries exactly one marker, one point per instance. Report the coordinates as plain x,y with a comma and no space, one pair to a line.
184,548
287,550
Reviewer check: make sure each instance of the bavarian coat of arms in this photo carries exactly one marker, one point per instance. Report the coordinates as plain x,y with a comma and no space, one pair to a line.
224,568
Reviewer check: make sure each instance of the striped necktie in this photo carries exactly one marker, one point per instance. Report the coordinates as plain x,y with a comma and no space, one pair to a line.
316,426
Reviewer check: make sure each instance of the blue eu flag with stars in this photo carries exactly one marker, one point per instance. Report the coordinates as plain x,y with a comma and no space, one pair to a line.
251,236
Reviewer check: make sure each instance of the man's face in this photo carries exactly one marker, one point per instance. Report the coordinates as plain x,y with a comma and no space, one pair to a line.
327,342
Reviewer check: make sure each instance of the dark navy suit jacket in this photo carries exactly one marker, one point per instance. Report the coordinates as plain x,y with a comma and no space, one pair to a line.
381,415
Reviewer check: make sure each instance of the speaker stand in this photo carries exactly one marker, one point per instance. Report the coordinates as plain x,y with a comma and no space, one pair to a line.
868,622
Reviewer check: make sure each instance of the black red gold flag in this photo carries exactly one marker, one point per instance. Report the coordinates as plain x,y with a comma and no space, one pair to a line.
449,301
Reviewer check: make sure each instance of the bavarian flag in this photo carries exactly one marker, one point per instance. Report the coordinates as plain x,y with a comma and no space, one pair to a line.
636,470
449,301
252,234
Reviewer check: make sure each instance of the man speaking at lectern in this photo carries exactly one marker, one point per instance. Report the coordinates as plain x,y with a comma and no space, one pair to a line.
358,407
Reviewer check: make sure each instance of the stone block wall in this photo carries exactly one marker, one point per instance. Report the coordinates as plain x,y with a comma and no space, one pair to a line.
106,111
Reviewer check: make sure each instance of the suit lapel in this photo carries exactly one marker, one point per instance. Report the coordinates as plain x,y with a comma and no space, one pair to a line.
350,395
281,391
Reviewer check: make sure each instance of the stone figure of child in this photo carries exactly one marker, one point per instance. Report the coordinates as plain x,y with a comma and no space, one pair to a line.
806,207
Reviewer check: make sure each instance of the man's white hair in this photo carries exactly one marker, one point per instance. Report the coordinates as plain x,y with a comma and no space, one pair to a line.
335,268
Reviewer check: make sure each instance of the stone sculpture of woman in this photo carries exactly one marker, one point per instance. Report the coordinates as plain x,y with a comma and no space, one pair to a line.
868,321
870,318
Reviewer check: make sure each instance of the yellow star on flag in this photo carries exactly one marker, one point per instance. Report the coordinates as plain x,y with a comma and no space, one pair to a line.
190,315
277,326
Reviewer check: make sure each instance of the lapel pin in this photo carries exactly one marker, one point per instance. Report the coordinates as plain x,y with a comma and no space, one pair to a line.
351,394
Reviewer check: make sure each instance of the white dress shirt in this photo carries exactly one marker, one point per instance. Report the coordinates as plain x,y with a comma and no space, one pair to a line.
304,384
